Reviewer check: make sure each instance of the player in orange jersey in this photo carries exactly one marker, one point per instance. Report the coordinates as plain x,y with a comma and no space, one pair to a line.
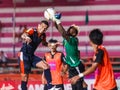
58,67
104,76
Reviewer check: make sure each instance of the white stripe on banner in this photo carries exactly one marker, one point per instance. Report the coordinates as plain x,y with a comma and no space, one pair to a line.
82,28
80,18
81,38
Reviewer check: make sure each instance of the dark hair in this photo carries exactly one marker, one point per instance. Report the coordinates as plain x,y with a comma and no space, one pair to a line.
68,31
96,36
52,41
45,22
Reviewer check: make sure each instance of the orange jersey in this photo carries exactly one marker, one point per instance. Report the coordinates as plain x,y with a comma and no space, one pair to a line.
105,77
55,64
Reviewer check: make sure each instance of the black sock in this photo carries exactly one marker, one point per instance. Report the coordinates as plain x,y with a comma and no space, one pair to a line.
49,86
23,85
48,78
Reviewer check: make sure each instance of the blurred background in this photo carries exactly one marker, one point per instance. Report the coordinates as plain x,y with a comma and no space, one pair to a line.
19,15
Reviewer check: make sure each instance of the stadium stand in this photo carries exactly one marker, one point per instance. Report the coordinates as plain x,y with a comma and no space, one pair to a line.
104,16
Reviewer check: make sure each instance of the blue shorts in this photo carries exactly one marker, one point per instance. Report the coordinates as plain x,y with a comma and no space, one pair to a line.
26,62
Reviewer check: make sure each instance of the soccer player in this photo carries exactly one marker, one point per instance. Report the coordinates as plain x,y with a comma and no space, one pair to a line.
104,76
32,38
70,43
58,67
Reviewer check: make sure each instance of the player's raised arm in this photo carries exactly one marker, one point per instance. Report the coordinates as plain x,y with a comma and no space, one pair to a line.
50,14
61,30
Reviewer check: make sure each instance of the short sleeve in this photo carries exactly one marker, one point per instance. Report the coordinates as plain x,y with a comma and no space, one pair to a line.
30,31
99,56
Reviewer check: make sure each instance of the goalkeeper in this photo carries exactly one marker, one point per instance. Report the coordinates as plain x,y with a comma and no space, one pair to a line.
70,42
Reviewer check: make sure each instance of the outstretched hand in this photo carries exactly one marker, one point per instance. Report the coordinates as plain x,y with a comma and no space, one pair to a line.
51,14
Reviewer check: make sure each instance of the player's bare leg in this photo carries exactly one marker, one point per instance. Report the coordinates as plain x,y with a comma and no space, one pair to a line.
47,74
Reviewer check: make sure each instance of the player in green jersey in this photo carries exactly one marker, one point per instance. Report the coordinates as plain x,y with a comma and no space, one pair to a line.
70,42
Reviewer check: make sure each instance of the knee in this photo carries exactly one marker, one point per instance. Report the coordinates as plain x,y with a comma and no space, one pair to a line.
46,67
42,65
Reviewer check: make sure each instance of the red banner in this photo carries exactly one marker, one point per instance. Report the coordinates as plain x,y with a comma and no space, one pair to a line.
14,85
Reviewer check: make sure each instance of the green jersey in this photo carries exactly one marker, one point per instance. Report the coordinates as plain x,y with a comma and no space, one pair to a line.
71,48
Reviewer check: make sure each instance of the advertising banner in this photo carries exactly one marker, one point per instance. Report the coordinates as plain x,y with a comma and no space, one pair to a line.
36,85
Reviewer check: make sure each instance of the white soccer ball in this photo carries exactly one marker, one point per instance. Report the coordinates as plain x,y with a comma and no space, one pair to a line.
49,13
